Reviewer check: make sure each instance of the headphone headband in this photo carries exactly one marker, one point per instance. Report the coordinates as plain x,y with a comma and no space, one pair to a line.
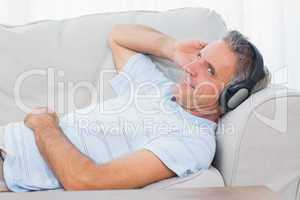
258,71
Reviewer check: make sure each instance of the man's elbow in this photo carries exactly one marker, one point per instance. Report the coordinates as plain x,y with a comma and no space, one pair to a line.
73,184
116,29
73,187
111,40
78,181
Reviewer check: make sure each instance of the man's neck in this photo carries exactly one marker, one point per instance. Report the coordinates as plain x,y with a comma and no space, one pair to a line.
210,114
211,117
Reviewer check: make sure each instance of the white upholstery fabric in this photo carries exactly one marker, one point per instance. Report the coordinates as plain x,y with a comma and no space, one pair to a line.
79,48
255,146
205,178
258,143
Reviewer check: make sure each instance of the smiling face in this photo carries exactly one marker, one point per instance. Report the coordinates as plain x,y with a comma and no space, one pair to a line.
206,77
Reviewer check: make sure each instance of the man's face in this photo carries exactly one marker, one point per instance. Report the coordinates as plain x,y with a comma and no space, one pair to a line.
205,77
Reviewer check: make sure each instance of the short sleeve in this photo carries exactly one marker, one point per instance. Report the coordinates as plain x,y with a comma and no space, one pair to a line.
184,155
139,69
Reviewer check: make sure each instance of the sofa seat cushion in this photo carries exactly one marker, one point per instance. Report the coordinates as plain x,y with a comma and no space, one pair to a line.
203,178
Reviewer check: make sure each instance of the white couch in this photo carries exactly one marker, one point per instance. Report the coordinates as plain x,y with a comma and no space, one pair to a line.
257,144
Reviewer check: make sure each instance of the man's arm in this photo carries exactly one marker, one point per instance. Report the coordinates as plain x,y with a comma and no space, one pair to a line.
75,171
128,39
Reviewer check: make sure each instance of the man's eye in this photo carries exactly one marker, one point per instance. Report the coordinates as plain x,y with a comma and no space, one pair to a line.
199,55
211,71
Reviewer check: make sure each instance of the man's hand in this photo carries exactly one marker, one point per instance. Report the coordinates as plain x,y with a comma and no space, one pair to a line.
186,52
41,118
126,39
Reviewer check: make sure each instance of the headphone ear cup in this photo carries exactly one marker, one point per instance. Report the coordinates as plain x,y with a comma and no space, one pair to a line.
237,98
232,96
236,95
223,100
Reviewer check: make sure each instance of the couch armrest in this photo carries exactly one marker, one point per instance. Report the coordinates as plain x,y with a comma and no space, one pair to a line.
258,143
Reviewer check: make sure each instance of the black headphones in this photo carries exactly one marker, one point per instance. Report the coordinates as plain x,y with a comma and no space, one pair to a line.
234,94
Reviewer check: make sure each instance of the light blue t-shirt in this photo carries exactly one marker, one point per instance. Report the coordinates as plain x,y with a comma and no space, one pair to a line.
142,116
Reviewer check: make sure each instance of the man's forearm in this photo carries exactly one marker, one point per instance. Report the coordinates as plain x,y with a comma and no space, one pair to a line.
76,171
66,161
144,39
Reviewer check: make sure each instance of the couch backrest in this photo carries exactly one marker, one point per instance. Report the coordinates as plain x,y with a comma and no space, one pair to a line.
258,142
47,62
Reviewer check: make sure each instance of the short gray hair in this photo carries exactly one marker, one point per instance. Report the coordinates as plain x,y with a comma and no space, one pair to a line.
239,44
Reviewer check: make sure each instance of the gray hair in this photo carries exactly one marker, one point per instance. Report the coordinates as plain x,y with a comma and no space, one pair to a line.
238,43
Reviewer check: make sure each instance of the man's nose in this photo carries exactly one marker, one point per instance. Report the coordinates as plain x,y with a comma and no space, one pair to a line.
192,69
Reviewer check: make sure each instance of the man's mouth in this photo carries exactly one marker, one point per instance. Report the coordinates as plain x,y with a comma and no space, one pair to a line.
187,81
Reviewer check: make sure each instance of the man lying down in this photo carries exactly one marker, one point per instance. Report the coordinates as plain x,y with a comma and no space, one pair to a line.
153,130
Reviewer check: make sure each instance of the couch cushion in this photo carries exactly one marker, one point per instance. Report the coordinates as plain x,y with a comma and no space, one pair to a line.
67,64
203,178
258,143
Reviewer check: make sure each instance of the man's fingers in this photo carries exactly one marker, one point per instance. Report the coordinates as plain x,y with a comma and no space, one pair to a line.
196,44
203,43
